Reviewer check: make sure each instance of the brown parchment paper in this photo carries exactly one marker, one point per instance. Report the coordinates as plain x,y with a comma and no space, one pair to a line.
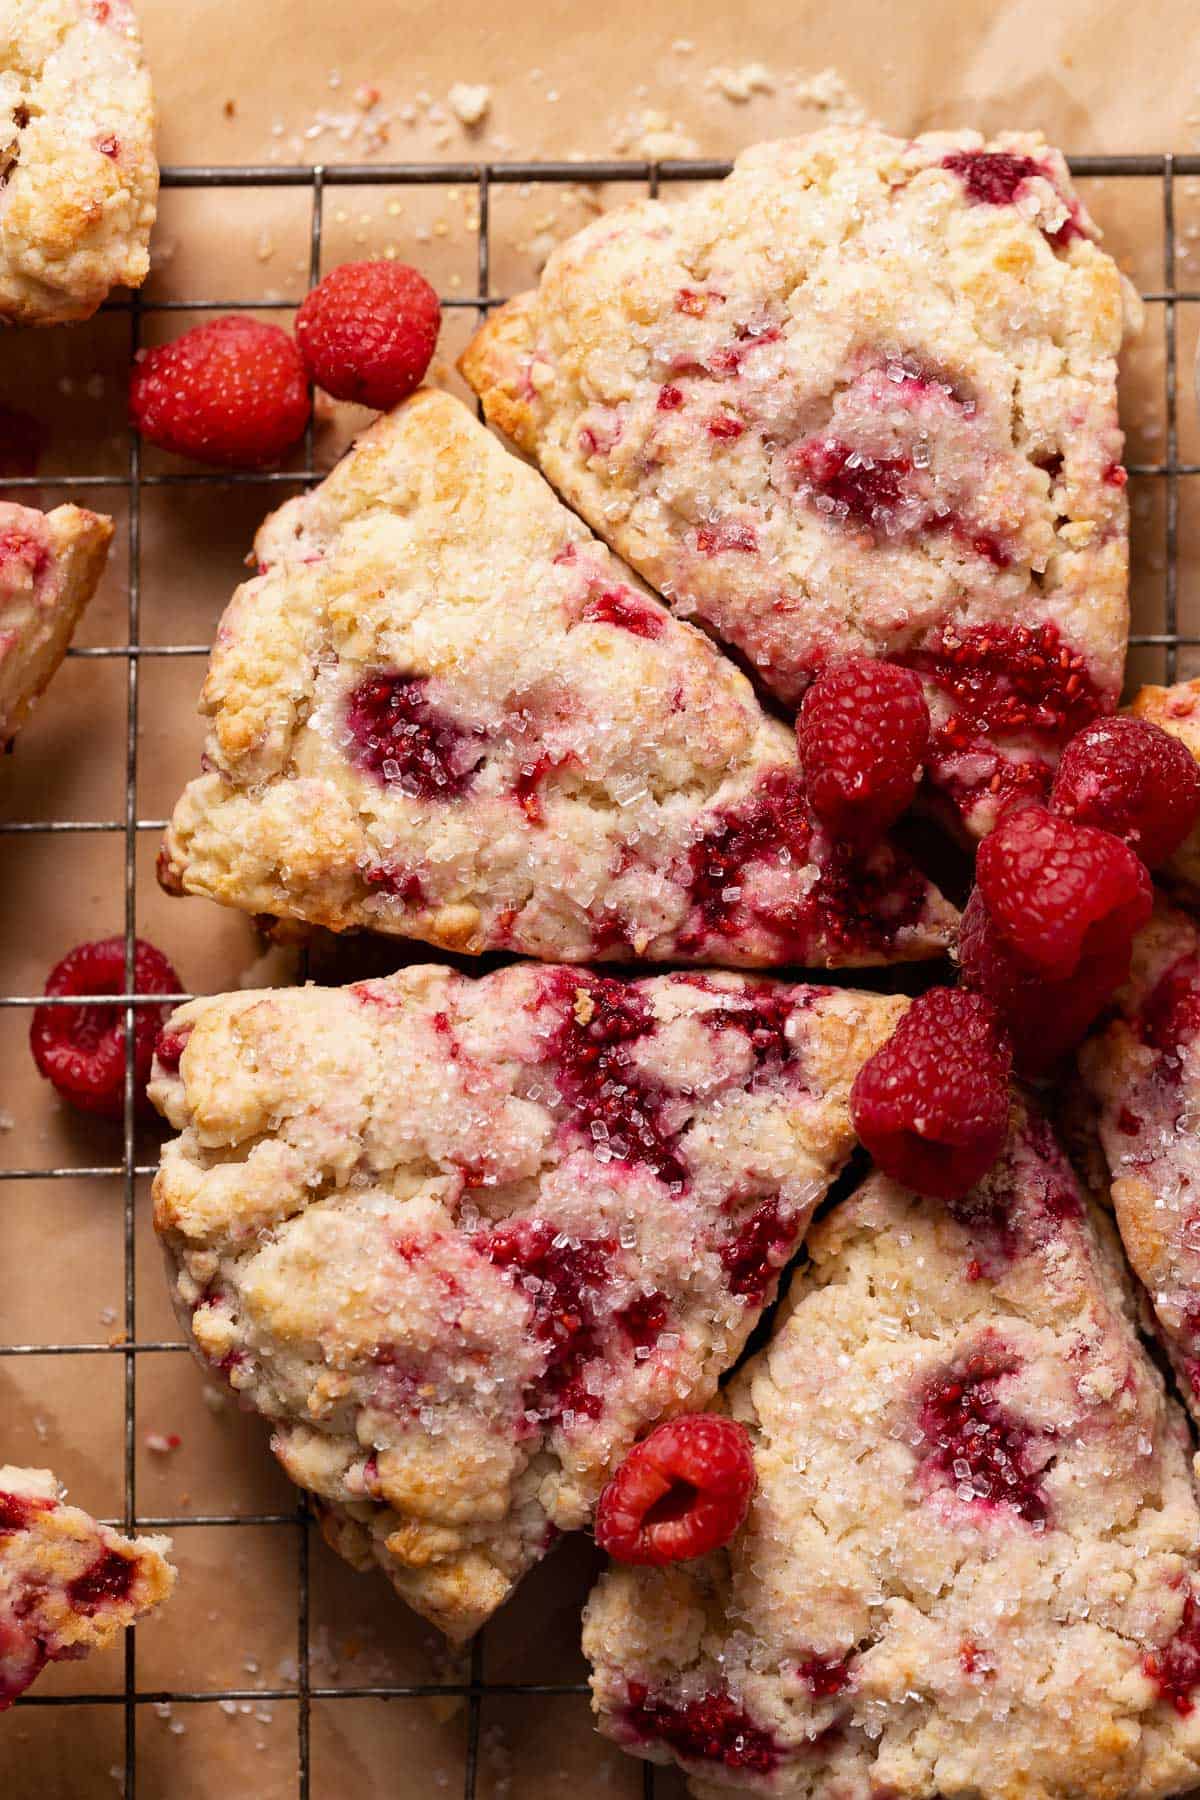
286,80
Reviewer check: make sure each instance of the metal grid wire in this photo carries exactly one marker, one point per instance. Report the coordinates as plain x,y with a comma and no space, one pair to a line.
1164,169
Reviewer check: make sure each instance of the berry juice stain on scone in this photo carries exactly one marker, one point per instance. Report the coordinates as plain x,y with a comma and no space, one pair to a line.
78,179
50,564
1140,1077
442,710
860,398
463,1242
970,1560
67,1584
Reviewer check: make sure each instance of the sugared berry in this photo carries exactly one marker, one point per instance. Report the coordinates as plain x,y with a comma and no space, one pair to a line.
863,731
1131,778
708,1728
681,1492
1060,893
1044,1018
402,738
932,1105
81,1049
1175,1669
231,391
368,330
974,1441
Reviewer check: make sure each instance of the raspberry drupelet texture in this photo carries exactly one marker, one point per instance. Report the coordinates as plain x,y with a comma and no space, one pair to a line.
367,332
81,1049
932,1105
1044,1019
970,1565
1059,893
863,730
465,1241
680,1493
231,392
1130,777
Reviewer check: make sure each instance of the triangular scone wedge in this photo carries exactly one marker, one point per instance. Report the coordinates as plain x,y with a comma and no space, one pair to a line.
462,1241
444,710
80,180
1140,1082
861,396
970,1566
1177,710
50,564
67,1584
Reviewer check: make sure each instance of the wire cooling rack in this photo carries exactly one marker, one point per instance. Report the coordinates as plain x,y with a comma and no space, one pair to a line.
1165,170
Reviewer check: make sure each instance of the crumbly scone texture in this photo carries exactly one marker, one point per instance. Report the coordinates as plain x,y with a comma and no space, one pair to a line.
859,397
1177,710
1140,1081
970,1566
67,1584
78,175
50,564
461,1241
442,709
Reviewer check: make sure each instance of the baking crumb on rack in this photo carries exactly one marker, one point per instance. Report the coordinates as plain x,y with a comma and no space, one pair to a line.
743,83
470,102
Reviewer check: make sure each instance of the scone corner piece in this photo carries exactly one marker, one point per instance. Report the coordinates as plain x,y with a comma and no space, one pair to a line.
50,567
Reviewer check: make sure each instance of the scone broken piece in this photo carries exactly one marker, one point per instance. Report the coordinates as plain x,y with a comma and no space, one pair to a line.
462,1241
859,397
50,564
443,710
67,1584
1141,1081
970,1567
78,176
1177,710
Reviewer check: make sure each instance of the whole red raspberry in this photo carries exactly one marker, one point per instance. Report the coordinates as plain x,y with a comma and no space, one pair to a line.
1059,893
863,731
1045,1019
932,1105
231,391
368,330
1131,778
681,1492
81,1049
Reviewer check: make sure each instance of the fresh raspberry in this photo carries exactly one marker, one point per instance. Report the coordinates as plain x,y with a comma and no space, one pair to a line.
681,1492
81,1049
368,330
1044,1018
1060,894
1131,778
863,731
231,391
932,1105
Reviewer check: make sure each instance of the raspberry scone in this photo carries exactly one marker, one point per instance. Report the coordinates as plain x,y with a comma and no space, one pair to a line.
970,1565
462,1240
1177,710
860,397
443,710
78,176
67,1584
50,564
1141,1084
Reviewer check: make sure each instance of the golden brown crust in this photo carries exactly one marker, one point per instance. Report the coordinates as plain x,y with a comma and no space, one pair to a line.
50,565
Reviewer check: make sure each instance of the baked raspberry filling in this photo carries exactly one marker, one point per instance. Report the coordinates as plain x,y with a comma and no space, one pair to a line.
404,740
1171,1015
680,1493
995,178
825,1676
1175,1669
712,1729
1004,677
81,1049
862,731
622,607
1060,893
17,547
618,1107
976,1443
106,1583
859,489
1132,778
932,1105
758,1250
726,535
17,1510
